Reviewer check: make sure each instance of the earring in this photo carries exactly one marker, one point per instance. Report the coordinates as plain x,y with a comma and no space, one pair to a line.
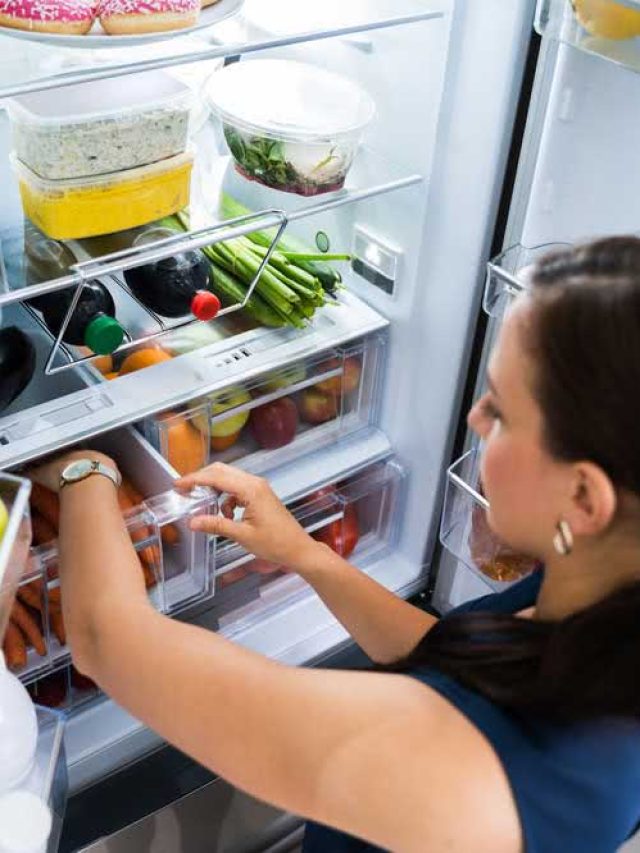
563,540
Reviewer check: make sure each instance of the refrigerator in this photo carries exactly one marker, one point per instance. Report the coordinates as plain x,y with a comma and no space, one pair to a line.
500,128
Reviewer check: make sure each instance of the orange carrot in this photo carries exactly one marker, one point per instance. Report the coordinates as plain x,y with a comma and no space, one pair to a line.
47,504
148,555
43,532
15,649
27,624
57,625
31,594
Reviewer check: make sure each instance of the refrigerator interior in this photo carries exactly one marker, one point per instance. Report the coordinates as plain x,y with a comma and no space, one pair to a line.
425,189
576,180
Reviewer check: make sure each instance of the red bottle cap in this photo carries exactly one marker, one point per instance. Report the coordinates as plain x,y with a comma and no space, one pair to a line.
205,305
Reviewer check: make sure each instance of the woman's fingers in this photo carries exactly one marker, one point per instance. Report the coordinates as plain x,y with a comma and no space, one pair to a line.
222,478
217,525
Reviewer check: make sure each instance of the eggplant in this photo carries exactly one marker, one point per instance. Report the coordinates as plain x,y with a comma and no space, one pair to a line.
17,364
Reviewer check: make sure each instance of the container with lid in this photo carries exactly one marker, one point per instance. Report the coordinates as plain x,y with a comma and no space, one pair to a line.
291,126
101,127
88,207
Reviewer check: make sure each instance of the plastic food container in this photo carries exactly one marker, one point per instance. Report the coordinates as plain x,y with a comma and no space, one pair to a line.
288,125
101,127
88,207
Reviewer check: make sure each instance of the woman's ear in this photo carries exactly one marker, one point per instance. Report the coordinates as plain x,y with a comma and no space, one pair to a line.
593,500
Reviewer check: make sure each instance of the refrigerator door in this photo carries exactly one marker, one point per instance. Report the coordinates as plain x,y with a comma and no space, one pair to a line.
577,179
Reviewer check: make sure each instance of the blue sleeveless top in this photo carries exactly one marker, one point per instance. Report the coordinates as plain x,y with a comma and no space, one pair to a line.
576,787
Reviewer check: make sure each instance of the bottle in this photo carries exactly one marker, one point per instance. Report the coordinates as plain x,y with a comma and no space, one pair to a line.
17,364
45,260
92,324
174,286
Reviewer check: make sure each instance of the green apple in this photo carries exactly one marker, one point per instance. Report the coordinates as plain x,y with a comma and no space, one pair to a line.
4,519
286,377
220,402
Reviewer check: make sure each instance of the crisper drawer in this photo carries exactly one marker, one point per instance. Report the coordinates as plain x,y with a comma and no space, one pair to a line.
358,518
465,530
176,562
15,539
278,417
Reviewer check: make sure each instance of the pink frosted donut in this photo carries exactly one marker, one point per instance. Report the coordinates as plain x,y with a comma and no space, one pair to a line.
74,17
129,17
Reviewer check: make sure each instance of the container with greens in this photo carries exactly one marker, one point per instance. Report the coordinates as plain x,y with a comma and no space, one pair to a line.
288,125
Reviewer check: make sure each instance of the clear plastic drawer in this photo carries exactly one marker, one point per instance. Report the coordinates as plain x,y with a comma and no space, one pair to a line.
358,518
277,417
465,531
15,539
177,564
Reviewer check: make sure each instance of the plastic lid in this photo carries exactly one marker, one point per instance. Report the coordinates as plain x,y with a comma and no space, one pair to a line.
289,100
99,99
205,305
103,334
25,823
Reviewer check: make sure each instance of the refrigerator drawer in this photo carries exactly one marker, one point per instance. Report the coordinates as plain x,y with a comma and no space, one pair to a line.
279,416
14,541
358,518
177,563
465,530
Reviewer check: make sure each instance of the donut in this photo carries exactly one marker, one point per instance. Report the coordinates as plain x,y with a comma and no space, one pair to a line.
132,17
73,17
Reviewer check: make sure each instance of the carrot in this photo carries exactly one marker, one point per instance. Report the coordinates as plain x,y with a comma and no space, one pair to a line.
149,576
31,594
148,555
47,504
57,625
43,532
27,624
15,649
169,532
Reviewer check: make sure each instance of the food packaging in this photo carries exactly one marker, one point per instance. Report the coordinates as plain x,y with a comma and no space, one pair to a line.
88,207
101,127
288,125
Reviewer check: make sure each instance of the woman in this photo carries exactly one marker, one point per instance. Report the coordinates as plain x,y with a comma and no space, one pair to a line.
513,724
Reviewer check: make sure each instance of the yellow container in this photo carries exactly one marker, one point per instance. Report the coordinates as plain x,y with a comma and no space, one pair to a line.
88,207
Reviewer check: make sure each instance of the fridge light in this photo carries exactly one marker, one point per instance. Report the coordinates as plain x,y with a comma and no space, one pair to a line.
375,260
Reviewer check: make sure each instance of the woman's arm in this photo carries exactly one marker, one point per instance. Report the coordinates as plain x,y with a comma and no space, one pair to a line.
382,624
379,756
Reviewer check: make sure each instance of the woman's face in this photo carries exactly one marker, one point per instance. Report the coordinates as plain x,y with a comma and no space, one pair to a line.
524,485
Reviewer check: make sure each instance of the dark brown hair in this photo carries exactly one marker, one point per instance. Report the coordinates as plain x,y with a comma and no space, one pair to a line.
584,339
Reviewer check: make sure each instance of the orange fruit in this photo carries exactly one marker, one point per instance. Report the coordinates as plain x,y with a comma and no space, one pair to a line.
185,446
222,442
607,19
113,375
103,363
142,358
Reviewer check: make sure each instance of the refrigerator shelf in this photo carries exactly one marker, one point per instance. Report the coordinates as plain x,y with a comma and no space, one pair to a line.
85,410
612,33
509,272
465,531
275,419
106,257
33,67
177,563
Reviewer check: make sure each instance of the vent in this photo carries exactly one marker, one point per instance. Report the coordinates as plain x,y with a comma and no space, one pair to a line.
237,355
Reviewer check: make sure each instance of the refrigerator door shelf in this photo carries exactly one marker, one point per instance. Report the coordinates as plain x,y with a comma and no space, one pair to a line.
465,530
358,517
177,563
509,273
278,417
609,28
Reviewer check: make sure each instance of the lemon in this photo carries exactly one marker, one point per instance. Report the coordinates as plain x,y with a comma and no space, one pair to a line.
4,519
607,19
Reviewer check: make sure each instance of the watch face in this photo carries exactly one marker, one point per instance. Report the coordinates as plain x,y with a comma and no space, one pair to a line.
77,470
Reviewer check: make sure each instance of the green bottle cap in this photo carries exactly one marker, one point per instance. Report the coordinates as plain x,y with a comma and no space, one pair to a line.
103,335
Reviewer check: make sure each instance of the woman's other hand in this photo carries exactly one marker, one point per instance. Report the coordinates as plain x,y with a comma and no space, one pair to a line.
266,528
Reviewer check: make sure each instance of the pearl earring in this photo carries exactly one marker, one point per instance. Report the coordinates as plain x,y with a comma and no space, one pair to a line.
563,539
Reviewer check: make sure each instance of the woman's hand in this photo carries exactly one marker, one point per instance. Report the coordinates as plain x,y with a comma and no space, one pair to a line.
49,471
266,529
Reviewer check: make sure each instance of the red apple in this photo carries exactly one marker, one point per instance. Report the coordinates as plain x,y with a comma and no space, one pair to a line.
274,424
317,407
344,383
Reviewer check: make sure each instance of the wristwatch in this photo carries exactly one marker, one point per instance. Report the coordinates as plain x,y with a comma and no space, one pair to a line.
80,469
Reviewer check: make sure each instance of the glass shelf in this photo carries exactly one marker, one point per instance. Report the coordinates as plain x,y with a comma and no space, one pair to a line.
612,33
30,67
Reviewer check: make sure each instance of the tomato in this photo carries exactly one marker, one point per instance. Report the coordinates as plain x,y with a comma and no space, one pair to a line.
342,535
